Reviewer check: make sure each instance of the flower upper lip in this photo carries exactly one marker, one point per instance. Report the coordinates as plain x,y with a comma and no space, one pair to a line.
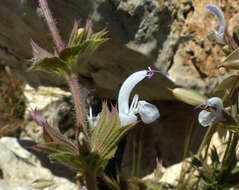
147,111
219,33
212,111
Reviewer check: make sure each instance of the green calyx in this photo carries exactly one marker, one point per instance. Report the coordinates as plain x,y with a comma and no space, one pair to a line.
89,152
82,44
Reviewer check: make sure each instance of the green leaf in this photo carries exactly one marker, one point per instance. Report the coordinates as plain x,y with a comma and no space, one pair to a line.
227,84
107,133
208,181
70,160
234,128
82,44
214,156
196,162
52,147
51,64
232,61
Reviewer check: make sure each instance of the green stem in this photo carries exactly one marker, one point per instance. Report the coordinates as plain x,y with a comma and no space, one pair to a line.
232,149
206,138
91,182
111,183
226,167
133,172
230,152
139,156
182,182
206,141
227,148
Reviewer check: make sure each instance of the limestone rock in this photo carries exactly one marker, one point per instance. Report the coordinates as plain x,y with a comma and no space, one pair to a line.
20,165
13,186
109,67
53,103
171,35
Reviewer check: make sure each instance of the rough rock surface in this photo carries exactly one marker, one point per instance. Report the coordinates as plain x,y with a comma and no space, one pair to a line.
13,186
106,71
171,35
30,169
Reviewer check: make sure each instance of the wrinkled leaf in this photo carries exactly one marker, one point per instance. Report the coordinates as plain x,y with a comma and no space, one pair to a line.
108,133
72,161
82,44
53,65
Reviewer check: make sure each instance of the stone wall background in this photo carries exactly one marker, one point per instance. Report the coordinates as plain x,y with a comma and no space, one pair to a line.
170,35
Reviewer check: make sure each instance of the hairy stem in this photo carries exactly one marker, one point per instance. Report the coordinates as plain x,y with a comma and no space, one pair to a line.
51,24
78,102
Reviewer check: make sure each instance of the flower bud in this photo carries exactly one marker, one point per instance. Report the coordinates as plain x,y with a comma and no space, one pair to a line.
189,96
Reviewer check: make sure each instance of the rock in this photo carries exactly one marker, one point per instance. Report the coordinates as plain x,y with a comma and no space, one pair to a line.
13,186
171,175
171,35
42,97
196,58
54,104
22,166
104,72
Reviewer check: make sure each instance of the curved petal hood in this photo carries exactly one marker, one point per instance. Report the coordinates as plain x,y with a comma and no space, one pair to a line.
219,33
147,111
212,113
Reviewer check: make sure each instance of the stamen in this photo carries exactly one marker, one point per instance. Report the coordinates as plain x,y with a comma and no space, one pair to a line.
203,106
206,106
134,103
151,72
90,113
198,106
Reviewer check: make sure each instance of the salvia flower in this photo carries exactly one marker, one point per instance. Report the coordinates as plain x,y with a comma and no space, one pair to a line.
219,32
148,112
93,120
212,111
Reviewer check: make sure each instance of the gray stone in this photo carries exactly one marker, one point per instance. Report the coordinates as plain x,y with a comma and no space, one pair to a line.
13,186
20,165
131,49
170,35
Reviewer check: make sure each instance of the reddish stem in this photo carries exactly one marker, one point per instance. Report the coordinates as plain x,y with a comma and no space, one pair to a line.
78,101
52,26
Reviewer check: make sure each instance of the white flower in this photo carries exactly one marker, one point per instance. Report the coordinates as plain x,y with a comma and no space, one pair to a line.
93,120
212,113
219,33
148,112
